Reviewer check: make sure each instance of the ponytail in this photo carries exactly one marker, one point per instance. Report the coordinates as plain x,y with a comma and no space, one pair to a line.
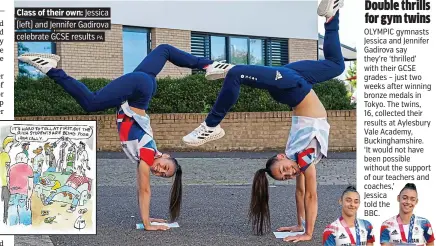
259,210
176,193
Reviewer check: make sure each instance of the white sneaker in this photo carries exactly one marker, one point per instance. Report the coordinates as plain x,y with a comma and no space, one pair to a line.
328,8
217,70
41,61
203,134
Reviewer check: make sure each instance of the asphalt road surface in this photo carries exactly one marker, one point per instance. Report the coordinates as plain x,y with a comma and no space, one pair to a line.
216,197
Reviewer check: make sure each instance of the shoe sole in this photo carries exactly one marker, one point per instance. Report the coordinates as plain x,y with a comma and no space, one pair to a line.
221,134
324,7
42,55
220,75
27,58
215,76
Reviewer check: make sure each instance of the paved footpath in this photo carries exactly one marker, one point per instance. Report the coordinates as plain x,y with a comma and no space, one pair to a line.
216,190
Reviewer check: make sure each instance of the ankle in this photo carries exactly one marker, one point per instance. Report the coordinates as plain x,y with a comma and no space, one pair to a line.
51,70
208,125
207,64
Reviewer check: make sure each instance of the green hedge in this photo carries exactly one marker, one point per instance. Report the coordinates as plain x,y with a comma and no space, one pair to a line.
192,94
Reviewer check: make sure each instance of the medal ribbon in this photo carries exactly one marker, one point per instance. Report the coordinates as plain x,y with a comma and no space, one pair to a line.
403,234
350,235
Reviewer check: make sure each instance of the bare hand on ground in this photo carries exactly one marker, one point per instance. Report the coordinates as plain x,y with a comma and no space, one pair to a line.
292,229
157,228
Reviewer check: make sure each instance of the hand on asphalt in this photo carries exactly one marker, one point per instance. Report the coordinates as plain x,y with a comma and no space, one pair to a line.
298,238
156,228
292,228
157,220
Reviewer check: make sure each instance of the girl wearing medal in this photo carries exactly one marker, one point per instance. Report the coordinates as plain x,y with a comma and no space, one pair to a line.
348,229
406,227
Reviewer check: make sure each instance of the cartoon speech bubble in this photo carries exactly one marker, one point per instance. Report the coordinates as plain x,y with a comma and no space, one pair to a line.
42,133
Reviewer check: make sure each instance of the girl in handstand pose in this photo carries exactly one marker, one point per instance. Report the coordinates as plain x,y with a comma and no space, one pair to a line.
131,94
308,139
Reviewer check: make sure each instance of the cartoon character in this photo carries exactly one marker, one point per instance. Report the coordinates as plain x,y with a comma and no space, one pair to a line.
60,166
48,181
82,157
37,163
71,158
25,148
20,188
5,161
50,157
70,188
84,197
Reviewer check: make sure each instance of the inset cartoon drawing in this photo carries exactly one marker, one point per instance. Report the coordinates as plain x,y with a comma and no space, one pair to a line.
47,175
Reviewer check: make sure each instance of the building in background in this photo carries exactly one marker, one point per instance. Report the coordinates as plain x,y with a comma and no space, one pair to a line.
349,53
258,33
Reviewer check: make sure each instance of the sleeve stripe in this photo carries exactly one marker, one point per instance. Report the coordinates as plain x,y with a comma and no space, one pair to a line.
326,236
384,234
147,155
371,239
